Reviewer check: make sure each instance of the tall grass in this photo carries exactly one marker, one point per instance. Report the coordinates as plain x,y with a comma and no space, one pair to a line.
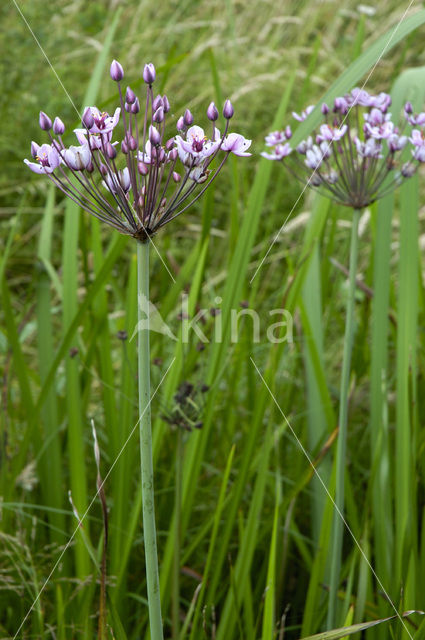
244,549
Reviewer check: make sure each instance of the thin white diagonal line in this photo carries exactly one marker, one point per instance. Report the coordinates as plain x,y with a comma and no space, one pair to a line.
329,145
92,502
163,261
46,56
340,514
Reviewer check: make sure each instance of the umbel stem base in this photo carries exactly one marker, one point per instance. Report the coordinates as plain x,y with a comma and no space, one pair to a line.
338,525
145,430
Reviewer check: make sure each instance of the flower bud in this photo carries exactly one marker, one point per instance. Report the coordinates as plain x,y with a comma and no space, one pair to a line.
158,116
176,177
90,167
408,108
127,107
34,149
188,118
161,155
117,72
288,132
212,112
228,110
165,104
132,143
173,154
154,135
157,103
325,109
143,168
58,126
135,107
44,121
130,96
408,170
87,119
111,152
103,169
180,124
170,144
124,147
149,73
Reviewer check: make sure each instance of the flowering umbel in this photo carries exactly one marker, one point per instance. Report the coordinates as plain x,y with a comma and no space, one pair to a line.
143,180
354,155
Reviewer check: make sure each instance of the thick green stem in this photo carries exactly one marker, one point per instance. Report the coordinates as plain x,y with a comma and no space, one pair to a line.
338,525
149,528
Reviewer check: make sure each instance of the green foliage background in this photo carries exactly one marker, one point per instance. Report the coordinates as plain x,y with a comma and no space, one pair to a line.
253,523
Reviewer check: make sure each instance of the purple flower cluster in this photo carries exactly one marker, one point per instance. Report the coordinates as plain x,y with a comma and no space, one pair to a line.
354,156
144,180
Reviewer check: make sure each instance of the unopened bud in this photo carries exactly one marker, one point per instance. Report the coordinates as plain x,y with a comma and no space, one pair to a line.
132,143
143,168
173,155
44,121
127,107
228,110
407,170
58,126
34,149
212,112
116,71
165,104
135,107
158,116
161,155
130,96
169,144
176,177
124,147
408,108
149,73
288,132
154,135
103,169
88,119
90,167
111,152
325,109
180,124
188,118
157,103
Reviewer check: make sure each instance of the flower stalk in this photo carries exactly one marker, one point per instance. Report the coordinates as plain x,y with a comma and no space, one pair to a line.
146,461
340,462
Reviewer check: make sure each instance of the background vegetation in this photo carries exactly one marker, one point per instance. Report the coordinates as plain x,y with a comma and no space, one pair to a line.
239,508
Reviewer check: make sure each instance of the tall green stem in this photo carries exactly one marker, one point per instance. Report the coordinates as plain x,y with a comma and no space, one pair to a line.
145,430
338,525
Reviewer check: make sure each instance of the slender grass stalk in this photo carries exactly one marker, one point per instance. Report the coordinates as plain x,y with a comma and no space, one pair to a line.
337,529
176,564
146,463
